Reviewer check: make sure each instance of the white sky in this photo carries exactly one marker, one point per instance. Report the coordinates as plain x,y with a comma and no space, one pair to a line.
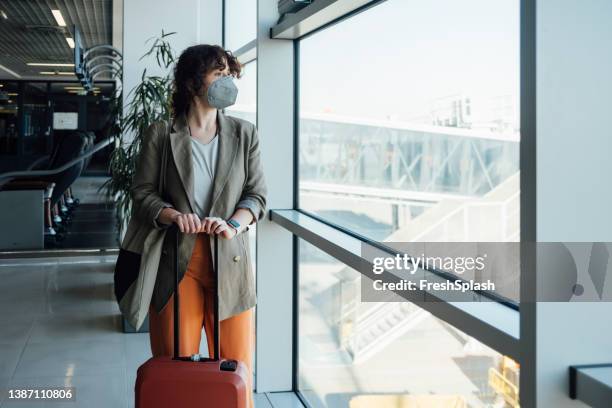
397,57
394,59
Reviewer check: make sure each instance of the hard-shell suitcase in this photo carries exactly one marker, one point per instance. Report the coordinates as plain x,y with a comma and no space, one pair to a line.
191,381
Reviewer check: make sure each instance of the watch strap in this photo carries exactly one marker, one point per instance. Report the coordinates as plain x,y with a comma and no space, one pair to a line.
234,224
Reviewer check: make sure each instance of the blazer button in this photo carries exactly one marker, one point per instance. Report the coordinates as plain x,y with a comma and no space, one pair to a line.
236,258
164,252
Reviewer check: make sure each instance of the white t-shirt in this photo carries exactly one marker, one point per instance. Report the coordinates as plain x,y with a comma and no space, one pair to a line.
204,165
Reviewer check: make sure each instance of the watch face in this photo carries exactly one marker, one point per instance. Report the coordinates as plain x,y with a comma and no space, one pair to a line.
234,223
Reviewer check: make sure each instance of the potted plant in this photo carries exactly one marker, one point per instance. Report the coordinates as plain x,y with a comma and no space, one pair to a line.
147,102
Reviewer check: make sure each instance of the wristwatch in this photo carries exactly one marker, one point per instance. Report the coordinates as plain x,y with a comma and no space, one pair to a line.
234,224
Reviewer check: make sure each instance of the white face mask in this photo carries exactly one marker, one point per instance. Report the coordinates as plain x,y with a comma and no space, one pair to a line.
222,92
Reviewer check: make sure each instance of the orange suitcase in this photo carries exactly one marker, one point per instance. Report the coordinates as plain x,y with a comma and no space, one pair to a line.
183,381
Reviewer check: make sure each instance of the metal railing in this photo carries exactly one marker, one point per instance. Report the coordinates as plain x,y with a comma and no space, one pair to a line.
7,177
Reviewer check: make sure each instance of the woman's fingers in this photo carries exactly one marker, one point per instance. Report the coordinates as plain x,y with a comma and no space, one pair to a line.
202,226
214,225
185,220
192,225
225,232
205,224
210,224
180,223
198,223
220,228
189,223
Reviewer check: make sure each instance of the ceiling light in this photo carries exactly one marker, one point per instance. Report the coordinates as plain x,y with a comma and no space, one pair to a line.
3,15
49,64
70,42
56,73
59,18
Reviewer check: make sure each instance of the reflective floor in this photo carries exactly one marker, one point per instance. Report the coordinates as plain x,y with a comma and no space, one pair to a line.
61,327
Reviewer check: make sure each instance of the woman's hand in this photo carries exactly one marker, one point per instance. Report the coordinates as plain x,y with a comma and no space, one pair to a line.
187,223
215,225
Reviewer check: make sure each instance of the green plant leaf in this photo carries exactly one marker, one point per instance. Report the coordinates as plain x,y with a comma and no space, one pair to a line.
145,103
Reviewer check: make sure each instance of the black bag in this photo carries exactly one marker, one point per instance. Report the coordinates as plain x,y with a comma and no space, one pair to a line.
128,262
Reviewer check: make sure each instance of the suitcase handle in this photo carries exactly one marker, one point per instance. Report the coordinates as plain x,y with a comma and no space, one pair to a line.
176,231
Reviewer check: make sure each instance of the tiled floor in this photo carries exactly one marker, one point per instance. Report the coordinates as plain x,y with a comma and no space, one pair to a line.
61,327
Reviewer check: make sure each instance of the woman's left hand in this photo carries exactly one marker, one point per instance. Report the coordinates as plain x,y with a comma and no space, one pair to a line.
216,225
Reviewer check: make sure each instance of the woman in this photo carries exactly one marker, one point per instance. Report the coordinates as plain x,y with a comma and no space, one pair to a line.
214,185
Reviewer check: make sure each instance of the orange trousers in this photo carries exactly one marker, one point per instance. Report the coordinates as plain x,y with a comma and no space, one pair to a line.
196,291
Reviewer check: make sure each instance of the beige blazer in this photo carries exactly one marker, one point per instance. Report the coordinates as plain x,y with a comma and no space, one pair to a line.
238,183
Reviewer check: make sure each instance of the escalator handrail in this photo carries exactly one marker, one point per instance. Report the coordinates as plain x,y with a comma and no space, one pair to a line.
38,161
6,177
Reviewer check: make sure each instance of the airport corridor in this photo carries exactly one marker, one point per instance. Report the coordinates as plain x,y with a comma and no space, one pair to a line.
61,327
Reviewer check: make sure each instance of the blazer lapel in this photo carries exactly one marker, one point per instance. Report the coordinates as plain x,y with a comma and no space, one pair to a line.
181,152
228,146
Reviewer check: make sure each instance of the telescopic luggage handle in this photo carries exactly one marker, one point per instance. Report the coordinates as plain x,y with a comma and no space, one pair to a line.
176,231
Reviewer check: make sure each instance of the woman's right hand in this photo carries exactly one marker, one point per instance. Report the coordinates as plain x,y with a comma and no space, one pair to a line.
187,223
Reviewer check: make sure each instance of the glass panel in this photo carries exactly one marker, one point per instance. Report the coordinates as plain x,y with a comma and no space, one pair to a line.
9,114
246,102
36,126
388,354
240,23
99,121
409,129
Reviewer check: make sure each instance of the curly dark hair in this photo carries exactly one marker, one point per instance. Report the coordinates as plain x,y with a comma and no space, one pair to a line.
192,66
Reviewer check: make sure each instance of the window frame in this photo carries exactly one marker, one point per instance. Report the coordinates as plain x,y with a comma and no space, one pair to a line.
479,320
243,49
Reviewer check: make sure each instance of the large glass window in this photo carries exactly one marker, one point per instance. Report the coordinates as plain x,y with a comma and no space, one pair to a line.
409,126
36,129
387,354
9,120
240,23
246,102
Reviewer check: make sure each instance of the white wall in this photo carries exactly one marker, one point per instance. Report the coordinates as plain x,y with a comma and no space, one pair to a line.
574,168
194,21
274,243
117,41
